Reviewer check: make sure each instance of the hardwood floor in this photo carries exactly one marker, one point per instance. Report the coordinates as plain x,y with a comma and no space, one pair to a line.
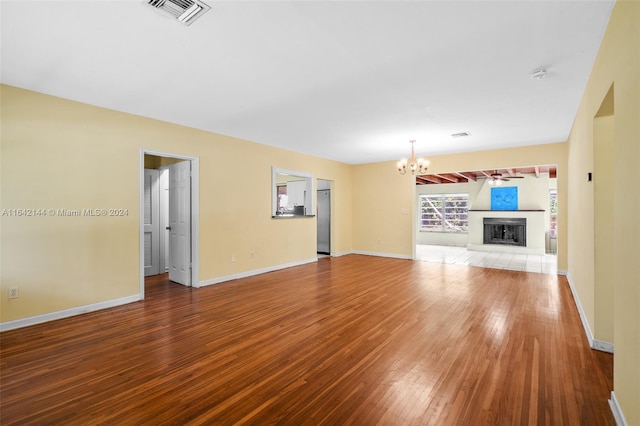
350,340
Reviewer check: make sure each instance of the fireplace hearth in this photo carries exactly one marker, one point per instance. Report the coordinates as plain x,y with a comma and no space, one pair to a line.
505,231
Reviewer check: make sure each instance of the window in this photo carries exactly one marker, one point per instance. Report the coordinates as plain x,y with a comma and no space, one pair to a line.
553,213
444,213
291,194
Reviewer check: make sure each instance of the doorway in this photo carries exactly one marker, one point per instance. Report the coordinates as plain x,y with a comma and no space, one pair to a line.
172,227
603,219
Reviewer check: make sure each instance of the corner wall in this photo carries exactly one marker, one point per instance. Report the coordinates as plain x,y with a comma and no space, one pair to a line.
617,64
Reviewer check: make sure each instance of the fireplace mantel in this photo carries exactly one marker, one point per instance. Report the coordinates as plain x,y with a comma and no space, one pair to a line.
537,210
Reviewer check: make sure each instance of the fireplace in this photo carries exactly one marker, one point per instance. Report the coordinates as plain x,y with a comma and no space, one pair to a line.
505,231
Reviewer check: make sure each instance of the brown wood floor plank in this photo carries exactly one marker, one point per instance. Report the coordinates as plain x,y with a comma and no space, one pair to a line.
349,340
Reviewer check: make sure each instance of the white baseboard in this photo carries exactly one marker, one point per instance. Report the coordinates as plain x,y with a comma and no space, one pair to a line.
342,253
291,264
373,253
38,319
255,272
602,345
563,272
599,345
617,411
583,316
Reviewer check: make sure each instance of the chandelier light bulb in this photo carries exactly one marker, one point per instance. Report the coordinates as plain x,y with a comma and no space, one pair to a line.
419,166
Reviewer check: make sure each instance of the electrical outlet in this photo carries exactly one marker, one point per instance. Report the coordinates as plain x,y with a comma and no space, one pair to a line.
252,254
14,293
233,257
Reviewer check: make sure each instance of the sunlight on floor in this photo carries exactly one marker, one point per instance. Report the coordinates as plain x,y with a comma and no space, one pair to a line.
545,264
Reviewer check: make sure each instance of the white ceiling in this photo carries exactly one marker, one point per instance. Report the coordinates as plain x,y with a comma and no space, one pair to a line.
352,81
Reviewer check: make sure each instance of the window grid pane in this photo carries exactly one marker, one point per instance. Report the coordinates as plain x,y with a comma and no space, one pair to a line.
553,213
444,213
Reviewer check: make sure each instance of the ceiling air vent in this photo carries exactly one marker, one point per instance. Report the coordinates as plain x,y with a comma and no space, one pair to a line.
185,11
461,134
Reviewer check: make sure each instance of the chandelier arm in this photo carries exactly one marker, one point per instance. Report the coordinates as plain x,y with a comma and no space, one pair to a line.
416,167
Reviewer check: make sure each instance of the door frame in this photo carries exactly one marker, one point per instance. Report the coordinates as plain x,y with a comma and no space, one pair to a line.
154,196
195,208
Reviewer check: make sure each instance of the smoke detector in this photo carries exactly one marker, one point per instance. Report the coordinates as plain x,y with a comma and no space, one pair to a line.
185,11
538,74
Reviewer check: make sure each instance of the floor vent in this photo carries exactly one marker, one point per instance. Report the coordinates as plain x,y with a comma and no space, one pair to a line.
185,11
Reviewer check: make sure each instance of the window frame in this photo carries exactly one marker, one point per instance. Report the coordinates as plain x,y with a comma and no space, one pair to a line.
553,213
442,201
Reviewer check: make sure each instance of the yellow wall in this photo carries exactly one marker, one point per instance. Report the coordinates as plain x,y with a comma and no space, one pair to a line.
603,202
383,203
381,194
617,64
59,154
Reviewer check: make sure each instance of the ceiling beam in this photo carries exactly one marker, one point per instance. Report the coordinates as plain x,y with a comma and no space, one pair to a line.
536,170
467,175
450,179
485,173
430,178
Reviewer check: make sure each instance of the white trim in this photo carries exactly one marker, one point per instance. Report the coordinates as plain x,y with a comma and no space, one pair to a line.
583,316
141,225
373,253
599,345
195,222
617,410
195,215
341,253
51,316
602,345
563,272
255,272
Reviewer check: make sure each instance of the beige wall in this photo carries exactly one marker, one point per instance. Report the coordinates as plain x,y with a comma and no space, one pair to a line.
383,206
381,195
604,248
59,154
617,64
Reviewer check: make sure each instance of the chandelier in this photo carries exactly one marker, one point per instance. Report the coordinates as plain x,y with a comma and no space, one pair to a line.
418,166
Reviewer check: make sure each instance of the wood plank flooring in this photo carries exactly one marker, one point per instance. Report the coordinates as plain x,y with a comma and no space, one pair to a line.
350,340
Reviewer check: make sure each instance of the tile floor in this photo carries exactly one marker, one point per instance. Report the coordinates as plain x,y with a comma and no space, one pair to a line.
545,264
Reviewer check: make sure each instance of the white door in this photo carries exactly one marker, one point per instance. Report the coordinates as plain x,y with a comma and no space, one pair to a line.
163,185
151,223
180,222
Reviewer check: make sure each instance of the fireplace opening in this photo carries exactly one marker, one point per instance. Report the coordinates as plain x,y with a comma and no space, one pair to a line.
507,231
